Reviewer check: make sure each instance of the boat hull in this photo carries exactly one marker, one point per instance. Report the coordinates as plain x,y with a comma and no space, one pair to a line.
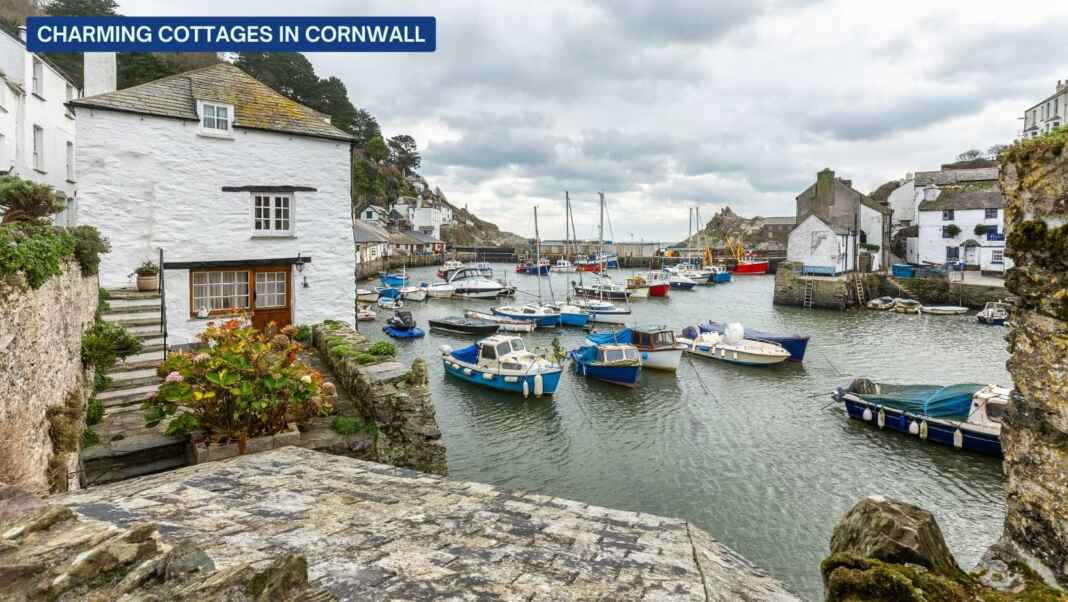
795,345
570,319
990,321
662,359
366,296
751,267
416,295
440,292
476,293
742,358
500,382
541,321
683,286
659,290
461,328
639,292
609,317
720,277
406,333
938,430
392,280
626,376
582,291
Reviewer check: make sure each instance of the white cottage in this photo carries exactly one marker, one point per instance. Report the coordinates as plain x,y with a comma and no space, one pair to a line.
963,224
245,191
821,248
845,209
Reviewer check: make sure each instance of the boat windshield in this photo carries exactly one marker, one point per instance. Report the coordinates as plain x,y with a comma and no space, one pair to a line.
664,339
503,349
488,353
631,353
995,411
613,355
517,345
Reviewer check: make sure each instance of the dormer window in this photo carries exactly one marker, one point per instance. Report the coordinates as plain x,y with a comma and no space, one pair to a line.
216,119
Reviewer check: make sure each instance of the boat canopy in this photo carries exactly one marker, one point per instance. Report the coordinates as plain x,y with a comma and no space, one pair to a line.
468,355
623,335
954,401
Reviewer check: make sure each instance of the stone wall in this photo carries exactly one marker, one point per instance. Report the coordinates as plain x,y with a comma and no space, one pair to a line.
40,367
1034,178
937,290
394,400
827,292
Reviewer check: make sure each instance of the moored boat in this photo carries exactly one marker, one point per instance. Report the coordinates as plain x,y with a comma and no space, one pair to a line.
751,267
602,288
994,312
438,290
618,364
365,315
882,303
465,325
542,315
502,362
907,306
503,324
659,285
393,280
389,298
449,267
656,343
602,312
413,293
366,296
540,268
475,282
966,416
944,310
795,344
638,287
402,326
718,274
732,347
572,315
564,266
678,281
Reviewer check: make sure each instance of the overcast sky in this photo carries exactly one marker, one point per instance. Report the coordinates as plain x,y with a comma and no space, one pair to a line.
666,105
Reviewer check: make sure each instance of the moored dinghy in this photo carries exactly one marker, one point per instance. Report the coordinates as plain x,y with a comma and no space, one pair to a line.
882,303
907,306
502,362
402,326
542,315
366,296
617,364
503,324
994,312
732,347
465,325
602,312
414,293
944,310
365,315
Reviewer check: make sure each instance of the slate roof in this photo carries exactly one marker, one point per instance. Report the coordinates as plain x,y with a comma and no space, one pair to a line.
964,198
365,232
423,237
256,105
788,220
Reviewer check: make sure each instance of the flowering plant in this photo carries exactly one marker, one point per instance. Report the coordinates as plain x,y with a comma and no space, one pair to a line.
243,383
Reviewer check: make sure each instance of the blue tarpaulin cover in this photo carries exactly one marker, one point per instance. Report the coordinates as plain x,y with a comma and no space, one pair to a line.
468,355
954,401
607,338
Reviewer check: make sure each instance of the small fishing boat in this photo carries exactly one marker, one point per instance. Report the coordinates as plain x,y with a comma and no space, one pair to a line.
907,306
564,266
449,267
402,326
393,280
602,312
614,363
733,347
678,281
573,315
638,287
475,282
659,283
502,362
966,416
366,296
465,325
506,291
503,324
389,298
794,343
414,293
602,288
540,268
944,310
718,274
365,315
994,312
751,267
438,290
656,344
542,315
882,303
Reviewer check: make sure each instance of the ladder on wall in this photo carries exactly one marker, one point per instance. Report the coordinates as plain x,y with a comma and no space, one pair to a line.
808,293
858,282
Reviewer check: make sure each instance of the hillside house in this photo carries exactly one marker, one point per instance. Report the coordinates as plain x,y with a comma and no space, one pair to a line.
963,224
1047,115
245,191
424,215
373,213
842,208
371,240
37,141
902,203
822,248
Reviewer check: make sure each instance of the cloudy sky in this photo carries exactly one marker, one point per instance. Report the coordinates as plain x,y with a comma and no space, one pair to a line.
664,105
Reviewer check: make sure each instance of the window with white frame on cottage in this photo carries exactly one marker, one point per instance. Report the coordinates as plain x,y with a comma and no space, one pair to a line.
947,214
70,161
991,214
219,291
38,148
38,77
270,289
997,256
272,214
216,117
952,253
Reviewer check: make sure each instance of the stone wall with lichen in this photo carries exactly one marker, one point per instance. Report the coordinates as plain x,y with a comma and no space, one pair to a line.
1034,178
42,382
391,398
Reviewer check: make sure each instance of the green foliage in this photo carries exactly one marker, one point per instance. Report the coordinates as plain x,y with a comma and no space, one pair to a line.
94,411
102,304
182,425
101,381
377,149
89,438
970,154
869,247
26,201
348,425
81,8
243,383
953,229
981,229
303,334
404,153
147,269
35,250
382,348
105,343
88,247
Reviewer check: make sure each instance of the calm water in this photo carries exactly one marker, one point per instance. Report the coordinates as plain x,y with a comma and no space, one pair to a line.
758,457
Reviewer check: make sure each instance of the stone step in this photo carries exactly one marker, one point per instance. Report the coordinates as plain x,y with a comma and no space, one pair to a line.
114,398
127,320
130,365
153,346
129,293
131,379
146,332
119,307
146,355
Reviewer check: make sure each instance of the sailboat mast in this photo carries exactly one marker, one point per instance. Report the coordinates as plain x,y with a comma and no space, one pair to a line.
537,253
567,223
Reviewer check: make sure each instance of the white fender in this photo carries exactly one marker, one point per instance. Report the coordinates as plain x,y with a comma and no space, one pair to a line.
526,388
923,430
914,429
958,439
539,386
467,371
882,418
487,376
867,414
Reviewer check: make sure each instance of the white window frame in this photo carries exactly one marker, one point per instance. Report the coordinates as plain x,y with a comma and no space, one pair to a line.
3,96
38,77
4,165
997,257
225,289
70,161
38,148
203,110
273,204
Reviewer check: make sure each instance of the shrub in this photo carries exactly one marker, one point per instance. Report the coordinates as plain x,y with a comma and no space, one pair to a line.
88,247
147,269
36,251
89,438
303,334
953,230
26,201
382,348
348,425
243,383
102,304
94,411
104,343
870,247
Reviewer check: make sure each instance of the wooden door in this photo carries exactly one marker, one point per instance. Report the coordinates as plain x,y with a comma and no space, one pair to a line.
272,296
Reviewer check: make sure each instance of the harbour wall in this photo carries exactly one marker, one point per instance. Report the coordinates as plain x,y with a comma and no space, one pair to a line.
827,292
937,291
370,269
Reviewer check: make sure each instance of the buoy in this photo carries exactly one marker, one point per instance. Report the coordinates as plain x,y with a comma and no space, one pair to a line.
526,388
958,439
487,376
914,429
867,414
538,385
923,430
467,371
882,418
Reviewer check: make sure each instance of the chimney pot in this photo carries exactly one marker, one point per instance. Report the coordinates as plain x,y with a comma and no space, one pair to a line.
100,73
22,32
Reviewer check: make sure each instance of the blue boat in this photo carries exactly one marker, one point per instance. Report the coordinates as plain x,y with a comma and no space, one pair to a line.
502,362
528,267
394,280
965,416
720,276
616,364
402,326
544,317
573,316
794,343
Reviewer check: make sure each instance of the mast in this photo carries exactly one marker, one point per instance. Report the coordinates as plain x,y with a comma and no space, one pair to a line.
537,253
600,228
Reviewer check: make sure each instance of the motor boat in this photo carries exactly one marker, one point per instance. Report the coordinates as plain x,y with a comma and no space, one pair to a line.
751,267
994,312
597,263
503,324
733,347
637,286
678,281
365,315
618,364
475,282
543,315
564,267
366,296
572,315
393,280
602,288
907,306
659,283
438,290
449,267
541,268
402,326
602,312
966,416
944,310
389,298
796,344
414,293
882,303
502,362
465,325
656,344
718,274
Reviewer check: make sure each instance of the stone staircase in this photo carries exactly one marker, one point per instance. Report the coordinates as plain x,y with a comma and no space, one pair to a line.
127,448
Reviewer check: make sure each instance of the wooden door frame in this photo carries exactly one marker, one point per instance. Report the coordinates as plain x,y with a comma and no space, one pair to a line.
251,270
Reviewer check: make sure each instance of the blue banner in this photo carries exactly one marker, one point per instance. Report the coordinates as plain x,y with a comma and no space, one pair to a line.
231,34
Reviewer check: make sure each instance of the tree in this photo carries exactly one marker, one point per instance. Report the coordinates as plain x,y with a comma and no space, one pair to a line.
81,8
377,150
26,201
404,153
970,154
364,127
995,150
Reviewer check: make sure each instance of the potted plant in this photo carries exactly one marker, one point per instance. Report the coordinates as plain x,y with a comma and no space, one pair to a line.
147,276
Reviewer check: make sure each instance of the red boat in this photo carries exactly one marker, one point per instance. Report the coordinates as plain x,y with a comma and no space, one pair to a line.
588,266
659,285
751,266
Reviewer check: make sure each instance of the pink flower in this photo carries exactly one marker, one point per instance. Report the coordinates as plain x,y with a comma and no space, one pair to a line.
174,377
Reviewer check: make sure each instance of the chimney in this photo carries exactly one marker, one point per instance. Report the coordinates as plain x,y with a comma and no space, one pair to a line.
99,73
825,187
22,33
848,183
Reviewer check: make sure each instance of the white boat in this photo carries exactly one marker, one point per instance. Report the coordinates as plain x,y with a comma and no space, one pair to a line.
542,315
503,362
438,290
564,266
449,267
504,324
475,282
682,282
731,347
881,303
387,303
657,345
944,310
365,315
603,287
638,287
602,312
994,312
413,293
907,306
366,296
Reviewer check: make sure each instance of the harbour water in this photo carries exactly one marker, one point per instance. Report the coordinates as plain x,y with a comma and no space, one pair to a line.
759,457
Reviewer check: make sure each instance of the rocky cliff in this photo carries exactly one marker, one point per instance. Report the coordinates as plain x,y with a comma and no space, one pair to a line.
756,233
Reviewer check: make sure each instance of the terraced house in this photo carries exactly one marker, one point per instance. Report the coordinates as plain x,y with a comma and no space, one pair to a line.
244,191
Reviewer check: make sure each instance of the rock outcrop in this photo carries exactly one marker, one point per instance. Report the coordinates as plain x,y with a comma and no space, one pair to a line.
756,233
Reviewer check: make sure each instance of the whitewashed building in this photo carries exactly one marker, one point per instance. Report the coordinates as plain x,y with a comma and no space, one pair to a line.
963,224
245,191
372,241
845,209
37,139
373,214
822,248
424,215
1048,114
902,202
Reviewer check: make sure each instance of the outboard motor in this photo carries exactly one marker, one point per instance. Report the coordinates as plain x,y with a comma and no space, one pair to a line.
690,332
402,320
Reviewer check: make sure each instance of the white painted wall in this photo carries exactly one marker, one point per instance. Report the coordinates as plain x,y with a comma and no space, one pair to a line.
912,249
932,247
903,203
20,112
872,222
813,243
151,182
370,251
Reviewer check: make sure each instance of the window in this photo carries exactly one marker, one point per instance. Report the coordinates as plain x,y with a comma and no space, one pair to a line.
272,215
270,289
215,117
946,233
70,161
488,352
991,214
71,95
3,153
369,215
947,214
38,77
952,253
3,97
997,256
38,148
503,349
216,291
